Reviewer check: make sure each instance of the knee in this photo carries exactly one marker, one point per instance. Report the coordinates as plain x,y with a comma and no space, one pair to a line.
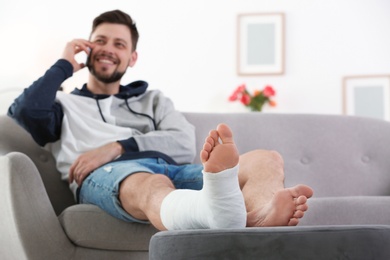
270,156
271,159
141,185
156,188
277,161
276,158
144,181
140,189
156,181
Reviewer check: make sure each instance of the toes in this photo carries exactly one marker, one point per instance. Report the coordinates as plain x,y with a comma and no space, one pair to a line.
207,148
301,190
305,191
301,204
293,222
214,136
298,214
300,200
225,133
208,144
302,207
204,156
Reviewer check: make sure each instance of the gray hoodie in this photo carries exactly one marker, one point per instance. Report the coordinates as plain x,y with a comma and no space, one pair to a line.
144,122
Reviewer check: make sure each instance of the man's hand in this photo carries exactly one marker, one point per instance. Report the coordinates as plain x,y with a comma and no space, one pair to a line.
74,47
89,161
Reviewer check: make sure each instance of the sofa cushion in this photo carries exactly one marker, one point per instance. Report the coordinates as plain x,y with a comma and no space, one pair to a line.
89,226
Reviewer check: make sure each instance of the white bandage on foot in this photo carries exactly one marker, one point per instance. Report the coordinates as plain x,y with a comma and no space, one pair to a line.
220,204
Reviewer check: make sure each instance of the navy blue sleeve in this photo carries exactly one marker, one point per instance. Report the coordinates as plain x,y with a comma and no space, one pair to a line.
129,145
36,110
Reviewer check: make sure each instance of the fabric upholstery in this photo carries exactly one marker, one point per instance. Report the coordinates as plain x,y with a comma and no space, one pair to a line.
16,139
88,226
336,155
341,242
344,159
29,227
348,210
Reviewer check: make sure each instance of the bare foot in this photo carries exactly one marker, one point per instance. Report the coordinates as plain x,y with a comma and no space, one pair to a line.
285,209
217,156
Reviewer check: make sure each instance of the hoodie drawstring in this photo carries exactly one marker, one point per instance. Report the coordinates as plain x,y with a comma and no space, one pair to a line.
100,110
141,114
131,110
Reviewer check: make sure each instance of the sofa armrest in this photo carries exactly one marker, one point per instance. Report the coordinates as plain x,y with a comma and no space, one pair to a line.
29,226
15,139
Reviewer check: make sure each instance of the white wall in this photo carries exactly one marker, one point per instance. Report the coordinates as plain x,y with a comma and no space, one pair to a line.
188,48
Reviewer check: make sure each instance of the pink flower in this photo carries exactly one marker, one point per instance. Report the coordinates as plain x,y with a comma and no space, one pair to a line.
233,97
256,100
245,99
268,91
238,92
241,88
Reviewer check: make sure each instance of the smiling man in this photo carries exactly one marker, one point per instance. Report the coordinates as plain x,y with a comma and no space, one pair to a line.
104,66
128,151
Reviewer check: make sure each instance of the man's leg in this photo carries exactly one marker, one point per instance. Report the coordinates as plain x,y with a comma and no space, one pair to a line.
219,204
141,195
268,203
261,180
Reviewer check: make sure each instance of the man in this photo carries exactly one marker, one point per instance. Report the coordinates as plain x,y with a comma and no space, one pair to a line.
128,151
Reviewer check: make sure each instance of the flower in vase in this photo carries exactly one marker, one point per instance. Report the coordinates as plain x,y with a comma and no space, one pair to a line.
254,101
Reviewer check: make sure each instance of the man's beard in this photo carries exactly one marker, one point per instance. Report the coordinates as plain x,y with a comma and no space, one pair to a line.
114,77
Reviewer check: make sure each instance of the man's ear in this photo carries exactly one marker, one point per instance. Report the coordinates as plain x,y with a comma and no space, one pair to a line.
133,58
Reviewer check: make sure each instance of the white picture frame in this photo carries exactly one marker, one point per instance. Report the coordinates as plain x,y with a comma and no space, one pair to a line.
367,96
260,44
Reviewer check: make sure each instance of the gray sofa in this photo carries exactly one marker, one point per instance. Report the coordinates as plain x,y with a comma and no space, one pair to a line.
346,160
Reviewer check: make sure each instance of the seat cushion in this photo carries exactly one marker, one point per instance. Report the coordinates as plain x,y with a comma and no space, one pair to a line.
89,226
321,242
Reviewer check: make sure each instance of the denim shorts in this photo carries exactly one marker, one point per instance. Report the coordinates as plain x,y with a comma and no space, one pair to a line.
101,187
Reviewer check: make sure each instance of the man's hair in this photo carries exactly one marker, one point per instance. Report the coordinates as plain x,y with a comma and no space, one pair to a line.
118,17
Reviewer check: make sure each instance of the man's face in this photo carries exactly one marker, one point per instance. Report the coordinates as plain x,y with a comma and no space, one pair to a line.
112,52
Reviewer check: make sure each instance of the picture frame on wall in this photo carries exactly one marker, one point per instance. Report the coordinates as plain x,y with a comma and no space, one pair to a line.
367,96
260,44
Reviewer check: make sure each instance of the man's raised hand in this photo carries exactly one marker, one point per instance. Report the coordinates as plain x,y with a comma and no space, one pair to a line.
74,47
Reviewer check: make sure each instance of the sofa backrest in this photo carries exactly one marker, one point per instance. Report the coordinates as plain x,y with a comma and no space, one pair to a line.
336,155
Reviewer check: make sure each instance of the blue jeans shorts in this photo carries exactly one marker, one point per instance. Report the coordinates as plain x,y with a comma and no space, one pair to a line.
101,187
